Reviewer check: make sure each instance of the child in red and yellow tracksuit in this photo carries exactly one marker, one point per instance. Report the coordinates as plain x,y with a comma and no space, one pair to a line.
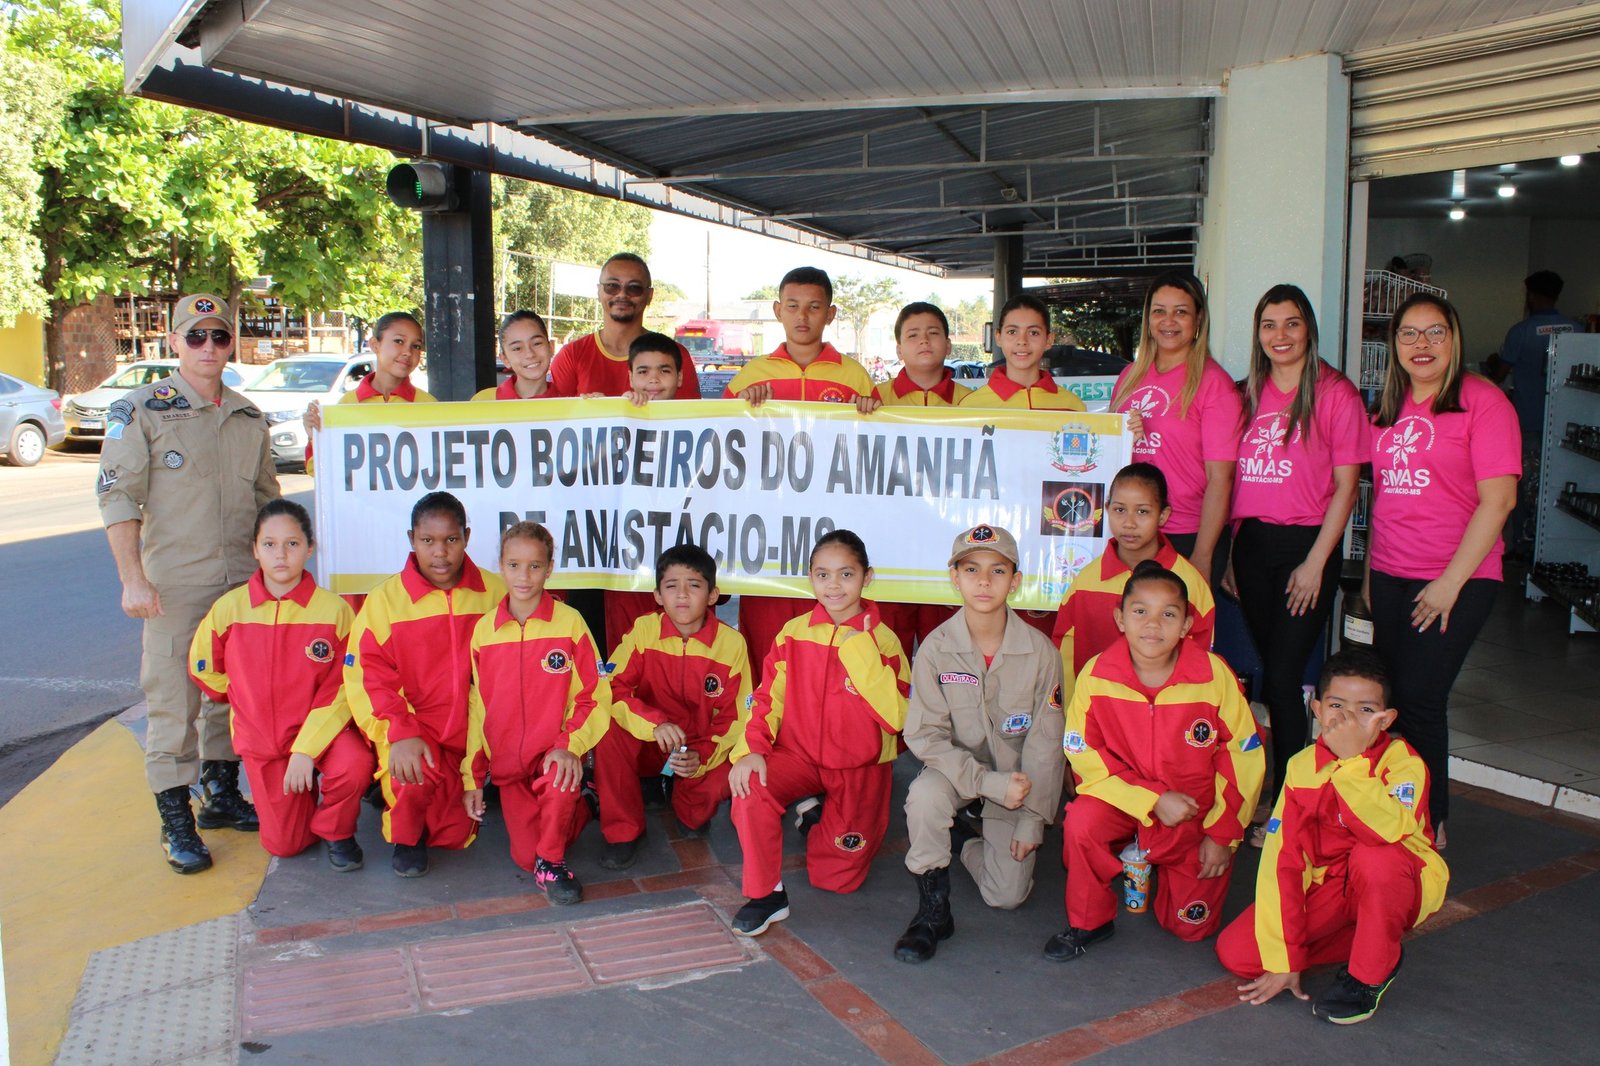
536,708
1135,510
679,680
272,649
406,676
922,341
804,367
1349,862
825,721
1163,748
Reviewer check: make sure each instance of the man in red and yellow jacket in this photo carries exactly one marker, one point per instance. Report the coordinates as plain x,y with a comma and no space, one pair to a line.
536,688
679,679
277,664
406,676
827,721
1349,862
1129,745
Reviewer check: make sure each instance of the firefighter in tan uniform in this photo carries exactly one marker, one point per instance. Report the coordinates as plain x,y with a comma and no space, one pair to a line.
985,720
185,466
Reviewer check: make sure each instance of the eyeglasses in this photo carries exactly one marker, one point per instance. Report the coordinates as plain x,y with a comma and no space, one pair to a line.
196,338
1435,335
632,288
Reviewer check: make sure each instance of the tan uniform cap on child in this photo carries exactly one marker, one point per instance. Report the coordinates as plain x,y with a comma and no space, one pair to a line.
985,538
192,309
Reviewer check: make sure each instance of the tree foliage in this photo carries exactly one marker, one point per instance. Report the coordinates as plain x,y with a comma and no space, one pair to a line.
31,96
545,222
857,298
966,317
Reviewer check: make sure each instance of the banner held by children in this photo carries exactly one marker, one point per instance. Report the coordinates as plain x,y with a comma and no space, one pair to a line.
618,484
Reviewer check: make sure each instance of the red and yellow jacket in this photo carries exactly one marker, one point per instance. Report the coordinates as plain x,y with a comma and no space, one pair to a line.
409,665
829,377
1329,805
699,683
838,692
277,664
364,392
1085,626
1042,395
1127,745
535,686
901,391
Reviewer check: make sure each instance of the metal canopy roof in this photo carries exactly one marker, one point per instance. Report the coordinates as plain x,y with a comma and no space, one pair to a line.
895,128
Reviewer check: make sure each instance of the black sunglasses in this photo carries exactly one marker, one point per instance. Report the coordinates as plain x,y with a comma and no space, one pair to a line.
196,338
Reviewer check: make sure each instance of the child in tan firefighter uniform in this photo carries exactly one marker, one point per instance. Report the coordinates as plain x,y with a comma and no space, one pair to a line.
986,721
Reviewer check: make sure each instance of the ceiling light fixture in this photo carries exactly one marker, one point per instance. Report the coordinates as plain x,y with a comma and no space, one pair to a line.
1457,213
1506,190
1571,160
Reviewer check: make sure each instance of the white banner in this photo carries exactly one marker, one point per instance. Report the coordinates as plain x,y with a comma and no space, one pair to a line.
573,279
755,487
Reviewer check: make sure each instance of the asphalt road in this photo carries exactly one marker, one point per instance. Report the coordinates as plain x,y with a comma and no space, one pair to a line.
69,657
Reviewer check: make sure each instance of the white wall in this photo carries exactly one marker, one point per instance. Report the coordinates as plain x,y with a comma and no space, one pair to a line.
1275,205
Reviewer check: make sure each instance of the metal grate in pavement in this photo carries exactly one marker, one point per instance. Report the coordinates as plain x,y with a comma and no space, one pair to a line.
635,946
326,993
494,967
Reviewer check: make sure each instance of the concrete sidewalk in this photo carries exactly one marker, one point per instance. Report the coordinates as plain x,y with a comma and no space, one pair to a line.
111,959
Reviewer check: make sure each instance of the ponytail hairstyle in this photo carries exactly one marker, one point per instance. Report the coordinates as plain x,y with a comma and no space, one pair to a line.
1397,383
1304,403
1145,360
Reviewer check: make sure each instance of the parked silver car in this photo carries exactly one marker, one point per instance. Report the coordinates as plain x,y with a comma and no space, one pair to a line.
286,386
30,421
85,413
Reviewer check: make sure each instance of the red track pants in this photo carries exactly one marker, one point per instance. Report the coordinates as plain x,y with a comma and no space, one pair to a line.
620,760
541,820
855,815
433,807
1357,915
290,824
1094,833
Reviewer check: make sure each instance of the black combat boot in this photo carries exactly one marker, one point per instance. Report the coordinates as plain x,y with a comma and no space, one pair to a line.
224,807
186,853
932,923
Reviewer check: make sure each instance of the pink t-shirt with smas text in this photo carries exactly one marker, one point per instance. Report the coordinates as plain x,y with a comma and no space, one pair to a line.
1288,482
1425,471
1181,447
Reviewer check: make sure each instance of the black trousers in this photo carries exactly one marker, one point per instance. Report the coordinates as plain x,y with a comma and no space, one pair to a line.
1264,555
1423,667
1184,543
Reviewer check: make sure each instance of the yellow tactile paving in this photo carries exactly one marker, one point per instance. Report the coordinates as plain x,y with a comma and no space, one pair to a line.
80,870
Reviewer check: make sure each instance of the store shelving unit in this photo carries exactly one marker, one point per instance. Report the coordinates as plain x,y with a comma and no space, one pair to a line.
1566,550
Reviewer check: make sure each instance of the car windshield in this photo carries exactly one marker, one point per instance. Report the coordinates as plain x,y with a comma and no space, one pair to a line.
139,374
298,377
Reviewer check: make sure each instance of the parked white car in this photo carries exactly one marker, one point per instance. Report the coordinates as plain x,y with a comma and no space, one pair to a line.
85,413
286,387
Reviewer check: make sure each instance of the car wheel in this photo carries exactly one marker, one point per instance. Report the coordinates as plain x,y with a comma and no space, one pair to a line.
27,445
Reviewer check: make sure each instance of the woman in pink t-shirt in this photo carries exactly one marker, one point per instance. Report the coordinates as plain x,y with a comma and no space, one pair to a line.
1299,459
1446,456
1184,411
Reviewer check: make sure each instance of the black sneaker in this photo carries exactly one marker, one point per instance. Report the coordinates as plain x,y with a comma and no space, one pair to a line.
689,832
621,855
1348,1001
654,792
1072,941
410,860
807,813
558,882
345,855
754,917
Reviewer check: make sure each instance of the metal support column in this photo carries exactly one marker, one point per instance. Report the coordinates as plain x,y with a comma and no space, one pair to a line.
1007,275
458,290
